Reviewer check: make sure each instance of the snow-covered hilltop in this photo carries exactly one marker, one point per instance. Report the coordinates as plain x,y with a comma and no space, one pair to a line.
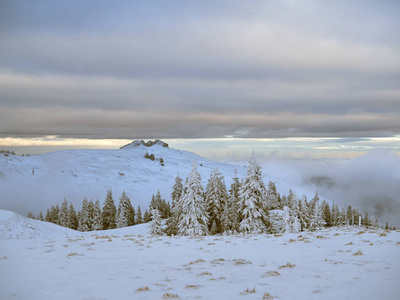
140,168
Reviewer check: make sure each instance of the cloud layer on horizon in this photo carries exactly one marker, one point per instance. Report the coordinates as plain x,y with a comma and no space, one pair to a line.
184,69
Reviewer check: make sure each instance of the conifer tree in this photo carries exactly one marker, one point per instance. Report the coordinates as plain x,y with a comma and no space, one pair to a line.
73,219
97,219
91,214
335,215
316,219
109,212
193,219
139,218
304,216
252,196
155,225
349,215
286,219
216,197
176,209
132,216
84,216
230,214
30,215
146,216
294,213
40,217
64,220
124,211
272,196
326,213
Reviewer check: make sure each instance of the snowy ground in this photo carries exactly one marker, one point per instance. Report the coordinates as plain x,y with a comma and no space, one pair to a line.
345,263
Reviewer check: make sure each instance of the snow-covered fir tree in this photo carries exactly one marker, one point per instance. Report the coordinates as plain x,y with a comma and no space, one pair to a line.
304,216
139,217
286,222
272,196
125,211
316,220
73,219
84,216
97,219
40,217
294,213
109,212
193,219
30,215
91,212
230,214
252,196
155,225
63,219
216,197
176,207
335,215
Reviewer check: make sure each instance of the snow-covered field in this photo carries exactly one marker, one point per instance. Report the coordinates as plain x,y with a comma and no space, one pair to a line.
57,263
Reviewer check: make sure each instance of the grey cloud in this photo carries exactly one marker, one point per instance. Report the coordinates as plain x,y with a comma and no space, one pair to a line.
266,69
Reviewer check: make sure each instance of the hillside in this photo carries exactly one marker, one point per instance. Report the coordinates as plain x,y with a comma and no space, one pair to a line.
34,183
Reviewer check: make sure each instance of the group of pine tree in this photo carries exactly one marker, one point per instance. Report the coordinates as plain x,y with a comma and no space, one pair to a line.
247,207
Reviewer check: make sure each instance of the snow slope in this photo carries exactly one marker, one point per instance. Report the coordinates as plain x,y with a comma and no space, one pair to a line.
347,263
15,226
35,183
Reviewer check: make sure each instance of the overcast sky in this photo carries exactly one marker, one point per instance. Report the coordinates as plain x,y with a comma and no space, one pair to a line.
327,72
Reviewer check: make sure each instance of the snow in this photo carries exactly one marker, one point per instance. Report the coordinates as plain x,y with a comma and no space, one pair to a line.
35,183
44,180
127,263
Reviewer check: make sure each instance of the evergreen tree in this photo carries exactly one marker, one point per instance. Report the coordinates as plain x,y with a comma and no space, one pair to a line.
216,197
177,190
30,215
316,219
64,220
230,214
272,196
176,207
335,215
294,213
193,219
286,220
124,214
139,218
73,219
132,216
146,216
48,216
326,213
304,216
252,196
155,225
109,212
97,219
40,217
91,214
52,214
84,216
349,215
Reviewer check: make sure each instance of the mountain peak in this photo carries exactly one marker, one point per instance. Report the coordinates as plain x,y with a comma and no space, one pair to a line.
149,143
